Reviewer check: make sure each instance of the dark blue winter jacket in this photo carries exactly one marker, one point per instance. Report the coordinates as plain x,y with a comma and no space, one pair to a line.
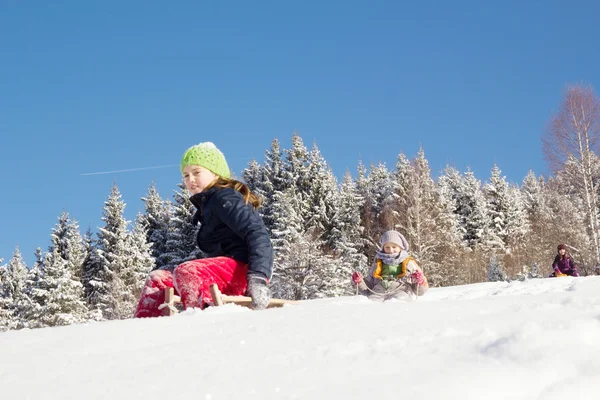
232,228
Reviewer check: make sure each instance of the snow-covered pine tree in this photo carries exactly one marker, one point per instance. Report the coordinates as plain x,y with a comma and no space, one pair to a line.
518,228
495,270
422,209
139,261
381,197
285,233
156,223
2,305
323,198
305,272
11,291
297,224
449,238
60,294
472,211
497,197
66,239
112,296
402,177
254,177
533,199
534,271
452,231
296,175
347,230
181,241
34,296
539,246
370,227
96,277
274,181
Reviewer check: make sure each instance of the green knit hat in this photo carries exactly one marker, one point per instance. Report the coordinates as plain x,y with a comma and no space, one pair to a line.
208,156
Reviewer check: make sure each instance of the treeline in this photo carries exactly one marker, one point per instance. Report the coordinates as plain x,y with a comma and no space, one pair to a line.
461,230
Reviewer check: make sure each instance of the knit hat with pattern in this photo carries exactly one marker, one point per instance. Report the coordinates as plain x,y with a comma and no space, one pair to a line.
208,156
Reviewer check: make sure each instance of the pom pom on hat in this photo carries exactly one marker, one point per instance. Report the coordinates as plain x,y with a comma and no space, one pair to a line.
206,155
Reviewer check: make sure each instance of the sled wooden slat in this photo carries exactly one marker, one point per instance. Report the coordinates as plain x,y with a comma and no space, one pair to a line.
215,293
168,307
220,299
170,300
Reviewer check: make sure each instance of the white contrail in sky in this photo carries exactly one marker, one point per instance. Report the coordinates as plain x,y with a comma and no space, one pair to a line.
128,170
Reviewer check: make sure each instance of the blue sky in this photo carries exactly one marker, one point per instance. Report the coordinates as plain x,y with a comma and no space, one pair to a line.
112,85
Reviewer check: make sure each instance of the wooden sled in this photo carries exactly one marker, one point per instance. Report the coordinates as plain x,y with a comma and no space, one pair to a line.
172,304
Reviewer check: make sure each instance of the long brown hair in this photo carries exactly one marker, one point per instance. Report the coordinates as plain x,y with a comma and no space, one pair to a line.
221,182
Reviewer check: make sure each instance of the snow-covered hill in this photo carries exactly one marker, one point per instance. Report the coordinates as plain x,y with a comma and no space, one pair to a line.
524,340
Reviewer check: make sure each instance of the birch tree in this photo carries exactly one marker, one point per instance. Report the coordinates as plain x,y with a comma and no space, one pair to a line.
574,131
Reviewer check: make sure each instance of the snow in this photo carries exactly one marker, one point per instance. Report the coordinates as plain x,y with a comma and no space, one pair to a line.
538,339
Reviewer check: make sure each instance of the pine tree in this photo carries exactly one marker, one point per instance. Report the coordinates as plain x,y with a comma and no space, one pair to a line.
296,175
304,271
381,197
112,296
254,177
96,277
451,233
537,210
534,271
369,226
286,233
155,221
518,227
497,210
495,272
139,261
67,240
471,209
181,241
423,209
34,295
347,231
11,291
62,294
402,177
274,182
322,198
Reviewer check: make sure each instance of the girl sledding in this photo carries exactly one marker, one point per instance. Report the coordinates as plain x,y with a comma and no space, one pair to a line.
232,234
394,274
563,264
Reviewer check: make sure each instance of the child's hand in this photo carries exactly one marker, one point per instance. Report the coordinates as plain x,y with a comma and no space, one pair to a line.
357,277
417,278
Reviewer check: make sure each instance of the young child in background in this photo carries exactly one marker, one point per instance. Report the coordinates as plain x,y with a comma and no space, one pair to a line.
563,263
232,234
393,274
